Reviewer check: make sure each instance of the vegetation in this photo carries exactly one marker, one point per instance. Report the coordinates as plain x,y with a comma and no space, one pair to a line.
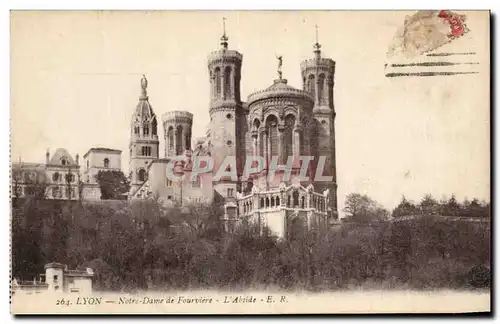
446,207
362,209
143,245
113,184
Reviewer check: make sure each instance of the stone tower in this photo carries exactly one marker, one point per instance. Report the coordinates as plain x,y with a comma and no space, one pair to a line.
226,112
318,79
144,142
177,127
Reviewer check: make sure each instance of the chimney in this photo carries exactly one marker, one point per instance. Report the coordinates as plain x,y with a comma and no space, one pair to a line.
47,155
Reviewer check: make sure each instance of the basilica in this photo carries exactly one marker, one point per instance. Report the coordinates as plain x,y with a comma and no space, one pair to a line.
276,123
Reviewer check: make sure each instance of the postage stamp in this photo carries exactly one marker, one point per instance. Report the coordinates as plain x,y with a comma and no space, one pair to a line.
171,162
426,31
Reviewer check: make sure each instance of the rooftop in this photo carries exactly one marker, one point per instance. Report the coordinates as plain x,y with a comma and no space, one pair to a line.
279,88
102,149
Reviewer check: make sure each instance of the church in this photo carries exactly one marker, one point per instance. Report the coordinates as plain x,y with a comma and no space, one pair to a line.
279,121
279,124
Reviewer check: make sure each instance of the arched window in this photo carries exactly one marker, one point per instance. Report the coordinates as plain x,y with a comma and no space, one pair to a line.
288,201
142,175
272,128
267,201
302,202
261,202
170,138
227,82
288,136
321,88
272,201
146,151
154,125
295,198
145,130
188,141
136,130
277,201
106,163
70,177
64,161
55,177
218,81
178,140
311,84
256,124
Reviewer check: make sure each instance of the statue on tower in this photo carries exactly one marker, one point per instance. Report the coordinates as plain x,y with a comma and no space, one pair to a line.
280,64
144,84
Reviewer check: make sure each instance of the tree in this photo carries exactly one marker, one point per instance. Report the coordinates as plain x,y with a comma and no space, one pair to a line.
113,184
363,209
429,205
27,230
451,207
405,208
475,208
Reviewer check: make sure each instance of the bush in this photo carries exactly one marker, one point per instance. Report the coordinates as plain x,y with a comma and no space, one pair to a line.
142,246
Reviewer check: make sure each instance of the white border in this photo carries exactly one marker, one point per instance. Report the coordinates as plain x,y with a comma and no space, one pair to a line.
7,5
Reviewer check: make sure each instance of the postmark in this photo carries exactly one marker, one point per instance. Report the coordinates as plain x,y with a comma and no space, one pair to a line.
427,31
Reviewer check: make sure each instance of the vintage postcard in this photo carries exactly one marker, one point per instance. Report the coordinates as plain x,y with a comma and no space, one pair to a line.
250,162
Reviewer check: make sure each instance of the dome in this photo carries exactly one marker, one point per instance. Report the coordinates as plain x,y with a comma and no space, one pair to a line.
143,111
279,88
62,157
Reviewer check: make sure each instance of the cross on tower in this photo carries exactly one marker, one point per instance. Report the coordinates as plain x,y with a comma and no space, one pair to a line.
224,38
317,46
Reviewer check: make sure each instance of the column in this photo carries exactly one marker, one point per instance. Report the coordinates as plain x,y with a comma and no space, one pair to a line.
183,136
255,141
265,143
165,137
223,83
213,85
232,82
317,93
296,141
281,143
175,140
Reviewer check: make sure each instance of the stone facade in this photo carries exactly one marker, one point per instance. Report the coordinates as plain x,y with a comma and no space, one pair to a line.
58,177
144,143
95,160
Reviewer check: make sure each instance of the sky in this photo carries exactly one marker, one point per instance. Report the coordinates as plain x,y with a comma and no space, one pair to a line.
75,83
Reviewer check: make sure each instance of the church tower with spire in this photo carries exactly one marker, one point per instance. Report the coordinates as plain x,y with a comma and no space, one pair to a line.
318,79
144,143
226,112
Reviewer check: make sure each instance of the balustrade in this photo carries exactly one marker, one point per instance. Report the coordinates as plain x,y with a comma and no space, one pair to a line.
289,199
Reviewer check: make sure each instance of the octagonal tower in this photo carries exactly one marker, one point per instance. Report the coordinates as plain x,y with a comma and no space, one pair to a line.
318,79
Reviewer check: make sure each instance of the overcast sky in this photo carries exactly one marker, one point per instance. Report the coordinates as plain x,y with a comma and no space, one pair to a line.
75,82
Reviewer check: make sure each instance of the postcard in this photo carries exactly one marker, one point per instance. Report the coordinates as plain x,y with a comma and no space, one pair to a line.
250,162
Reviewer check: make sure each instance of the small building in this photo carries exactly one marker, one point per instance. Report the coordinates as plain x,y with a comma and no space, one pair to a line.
57,279
58,178
98,159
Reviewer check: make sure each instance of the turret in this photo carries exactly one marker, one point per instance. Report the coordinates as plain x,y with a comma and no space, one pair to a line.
318,79
227,119
177,126
144,142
